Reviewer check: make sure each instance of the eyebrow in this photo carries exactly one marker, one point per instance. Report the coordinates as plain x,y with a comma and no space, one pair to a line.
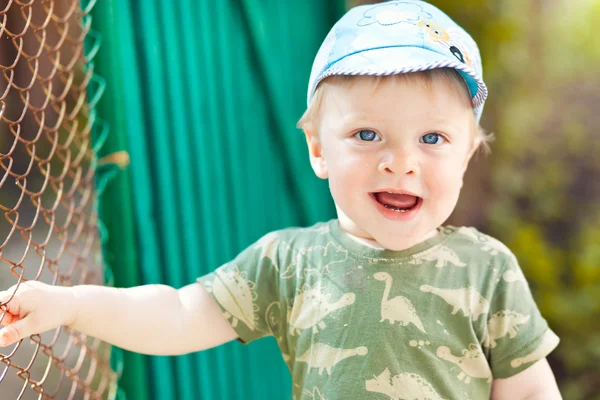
360,119
436,122
433,124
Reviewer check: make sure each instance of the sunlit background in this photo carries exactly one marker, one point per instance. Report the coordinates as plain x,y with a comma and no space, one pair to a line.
204,96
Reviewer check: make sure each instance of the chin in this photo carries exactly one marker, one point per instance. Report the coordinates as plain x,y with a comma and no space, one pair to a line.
396,237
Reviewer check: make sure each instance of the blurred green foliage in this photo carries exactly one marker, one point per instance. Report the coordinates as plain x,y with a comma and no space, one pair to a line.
546,177
539,190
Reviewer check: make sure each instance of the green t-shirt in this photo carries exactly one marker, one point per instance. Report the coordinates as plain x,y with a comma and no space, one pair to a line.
440,320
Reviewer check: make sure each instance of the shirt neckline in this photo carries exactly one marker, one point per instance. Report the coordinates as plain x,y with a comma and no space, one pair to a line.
365,251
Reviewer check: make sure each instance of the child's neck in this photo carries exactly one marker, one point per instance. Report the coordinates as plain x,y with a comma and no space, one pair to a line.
367,242
374,244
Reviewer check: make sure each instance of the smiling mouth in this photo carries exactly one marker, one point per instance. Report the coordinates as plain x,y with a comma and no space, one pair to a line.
400,203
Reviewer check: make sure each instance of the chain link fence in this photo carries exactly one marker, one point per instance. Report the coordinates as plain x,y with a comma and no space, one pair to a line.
47,199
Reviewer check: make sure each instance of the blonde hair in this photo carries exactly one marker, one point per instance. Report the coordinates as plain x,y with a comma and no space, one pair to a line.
447,75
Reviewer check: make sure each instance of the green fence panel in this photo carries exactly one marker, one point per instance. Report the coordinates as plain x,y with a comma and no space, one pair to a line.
204,96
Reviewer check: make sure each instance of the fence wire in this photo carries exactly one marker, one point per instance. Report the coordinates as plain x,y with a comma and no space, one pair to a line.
49,230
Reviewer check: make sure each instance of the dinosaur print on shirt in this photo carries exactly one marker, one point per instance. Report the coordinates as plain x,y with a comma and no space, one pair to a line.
440,320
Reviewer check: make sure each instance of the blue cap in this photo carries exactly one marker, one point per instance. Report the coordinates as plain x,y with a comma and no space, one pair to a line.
398,37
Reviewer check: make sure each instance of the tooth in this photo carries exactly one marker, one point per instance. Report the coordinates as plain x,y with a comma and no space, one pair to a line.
395,209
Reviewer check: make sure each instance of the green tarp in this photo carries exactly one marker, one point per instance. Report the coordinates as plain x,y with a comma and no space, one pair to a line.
204,96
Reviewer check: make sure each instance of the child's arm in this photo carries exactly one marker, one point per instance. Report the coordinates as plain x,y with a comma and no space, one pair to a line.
535,383
152,319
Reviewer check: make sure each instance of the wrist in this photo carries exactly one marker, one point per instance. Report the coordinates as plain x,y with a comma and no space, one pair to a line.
73,299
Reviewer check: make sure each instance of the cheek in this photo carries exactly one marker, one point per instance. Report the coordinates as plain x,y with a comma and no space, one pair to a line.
348,171
446,179
344,174
348,165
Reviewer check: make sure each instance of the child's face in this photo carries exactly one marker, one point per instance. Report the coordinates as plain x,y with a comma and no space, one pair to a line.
397,136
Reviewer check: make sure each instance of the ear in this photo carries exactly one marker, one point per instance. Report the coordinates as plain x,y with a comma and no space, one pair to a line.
315,152
468,156
474,147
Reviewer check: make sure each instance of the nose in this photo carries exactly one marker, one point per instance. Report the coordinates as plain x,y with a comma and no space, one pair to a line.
399,163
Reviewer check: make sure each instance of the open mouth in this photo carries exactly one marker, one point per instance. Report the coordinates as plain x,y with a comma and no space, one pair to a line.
400,203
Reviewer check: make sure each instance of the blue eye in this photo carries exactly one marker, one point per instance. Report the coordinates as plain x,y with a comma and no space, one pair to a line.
432,138
367,135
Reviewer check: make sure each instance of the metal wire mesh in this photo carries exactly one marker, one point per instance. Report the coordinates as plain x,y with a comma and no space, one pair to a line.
49,230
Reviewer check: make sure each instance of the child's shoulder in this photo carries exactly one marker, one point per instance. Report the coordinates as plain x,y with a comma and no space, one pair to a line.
470,239
298,235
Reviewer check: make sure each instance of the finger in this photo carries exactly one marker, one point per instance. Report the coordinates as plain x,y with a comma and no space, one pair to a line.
4,297
14,332
8,319
8,300
5,315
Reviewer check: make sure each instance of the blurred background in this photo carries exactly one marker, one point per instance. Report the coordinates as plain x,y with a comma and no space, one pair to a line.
204,96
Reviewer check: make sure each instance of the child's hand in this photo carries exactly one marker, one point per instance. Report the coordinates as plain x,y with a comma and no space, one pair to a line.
35,307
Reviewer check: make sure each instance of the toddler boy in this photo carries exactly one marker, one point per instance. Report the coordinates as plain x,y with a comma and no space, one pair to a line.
384,301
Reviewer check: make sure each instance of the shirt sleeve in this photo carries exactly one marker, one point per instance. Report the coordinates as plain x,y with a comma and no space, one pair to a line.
247,290
517,335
